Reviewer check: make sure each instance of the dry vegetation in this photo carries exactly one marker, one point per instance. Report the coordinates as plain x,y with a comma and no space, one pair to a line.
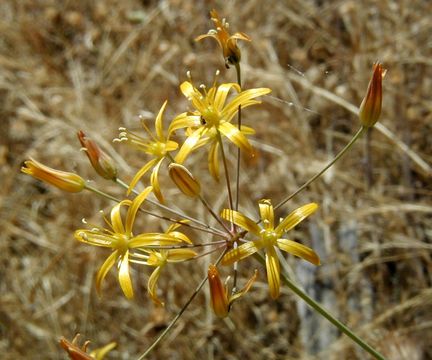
69,65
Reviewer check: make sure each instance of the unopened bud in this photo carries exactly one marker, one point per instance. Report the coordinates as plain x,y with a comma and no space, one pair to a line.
218,293
101,162
63,180
370,108
184,180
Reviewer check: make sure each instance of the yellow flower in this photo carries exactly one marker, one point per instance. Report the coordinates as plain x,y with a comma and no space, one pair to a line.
101,162
65,181
221,301
121,240
270,237
77,353
212,115
227,42
370,108
159,258
158,146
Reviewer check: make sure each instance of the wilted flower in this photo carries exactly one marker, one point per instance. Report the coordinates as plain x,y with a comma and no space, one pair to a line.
221,301
159,258
269,237
101,162
66,181
370,108
213,116
227,42
80,353
120,239
159,146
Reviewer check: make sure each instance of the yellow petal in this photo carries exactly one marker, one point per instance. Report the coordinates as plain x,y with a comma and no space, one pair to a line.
92,238
273,271
103,271
171,146
116,220
140,174
266,214
222,93
154,181
193,95
180,236
241,36
100,353
239,253
296,217
230,112
235,136
213,160
241,220
246,130
184,120
176,225
200,37
177,255
245,288
299,250
151,286
132,211
188,145
159,122
124,277
243,98
152,239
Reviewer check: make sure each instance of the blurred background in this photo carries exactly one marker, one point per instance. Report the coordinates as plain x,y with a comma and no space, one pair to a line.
97,65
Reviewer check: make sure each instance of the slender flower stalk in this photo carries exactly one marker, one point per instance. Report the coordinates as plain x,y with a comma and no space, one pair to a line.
63,180
323,312
341,153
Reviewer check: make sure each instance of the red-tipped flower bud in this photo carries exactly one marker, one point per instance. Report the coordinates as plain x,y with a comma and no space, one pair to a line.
370,108
184,180
101,162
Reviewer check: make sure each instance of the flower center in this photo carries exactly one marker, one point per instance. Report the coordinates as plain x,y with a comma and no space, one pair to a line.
269,237
157,149
210,117
122,242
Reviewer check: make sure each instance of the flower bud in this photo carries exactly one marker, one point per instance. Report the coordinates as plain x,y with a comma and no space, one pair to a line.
101,162
63,180
218,293
184,180
370,108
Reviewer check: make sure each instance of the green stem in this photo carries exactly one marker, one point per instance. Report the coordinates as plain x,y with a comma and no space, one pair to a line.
227,179
323,312
175,212
179,314
357,135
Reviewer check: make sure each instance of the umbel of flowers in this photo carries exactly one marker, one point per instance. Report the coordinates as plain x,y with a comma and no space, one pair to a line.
214,120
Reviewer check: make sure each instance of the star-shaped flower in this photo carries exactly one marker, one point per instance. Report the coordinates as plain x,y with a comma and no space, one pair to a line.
121,240
159,146
213,115
270,237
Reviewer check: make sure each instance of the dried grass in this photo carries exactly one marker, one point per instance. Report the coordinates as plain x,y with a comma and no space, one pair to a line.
94,66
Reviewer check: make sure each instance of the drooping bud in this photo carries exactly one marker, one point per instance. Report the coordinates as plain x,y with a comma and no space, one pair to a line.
66,181
101,162
218,293
184,180
370,108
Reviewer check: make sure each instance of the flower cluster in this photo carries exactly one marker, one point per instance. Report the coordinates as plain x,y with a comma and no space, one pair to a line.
209,121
